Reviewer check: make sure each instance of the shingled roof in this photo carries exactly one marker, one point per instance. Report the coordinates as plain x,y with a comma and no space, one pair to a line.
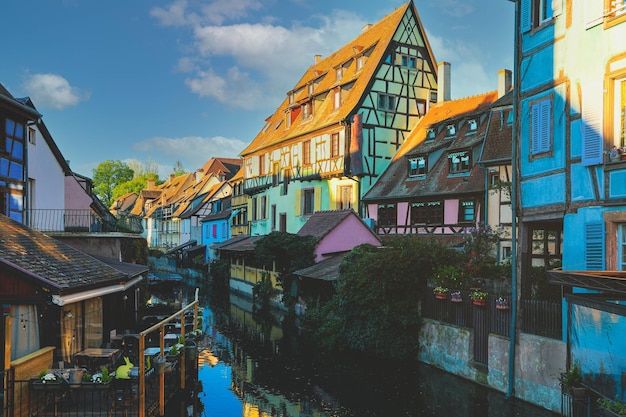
372,42
395,182
54,263
322,222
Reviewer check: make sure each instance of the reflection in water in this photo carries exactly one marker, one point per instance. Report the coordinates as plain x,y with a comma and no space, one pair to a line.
257,365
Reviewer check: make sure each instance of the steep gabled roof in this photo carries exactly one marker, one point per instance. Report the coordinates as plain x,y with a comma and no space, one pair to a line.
499,138
374,42
322,222
441,112
395,182
222,166
52,262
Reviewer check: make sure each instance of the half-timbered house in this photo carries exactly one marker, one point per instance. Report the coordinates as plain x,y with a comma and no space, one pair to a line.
338,128
435,185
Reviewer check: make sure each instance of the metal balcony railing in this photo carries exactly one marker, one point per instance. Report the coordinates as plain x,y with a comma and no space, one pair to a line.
80,221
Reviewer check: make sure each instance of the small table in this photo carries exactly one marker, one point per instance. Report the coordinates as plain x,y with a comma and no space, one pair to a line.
94,357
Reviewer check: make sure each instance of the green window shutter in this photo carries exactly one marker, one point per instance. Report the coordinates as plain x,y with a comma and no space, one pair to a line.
298,202
594,246
592,123
317,199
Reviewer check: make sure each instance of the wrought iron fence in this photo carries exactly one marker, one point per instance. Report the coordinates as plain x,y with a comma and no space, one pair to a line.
81,220
25,398
543,318
539,317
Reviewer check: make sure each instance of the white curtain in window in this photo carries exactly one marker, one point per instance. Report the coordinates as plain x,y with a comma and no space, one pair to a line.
71,330
25,333
93,322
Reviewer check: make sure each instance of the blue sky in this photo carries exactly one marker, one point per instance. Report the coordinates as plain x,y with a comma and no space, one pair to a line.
183,80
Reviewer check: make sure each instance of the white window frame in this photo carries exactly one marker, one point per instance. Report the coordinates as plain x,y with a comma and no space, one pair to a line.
415,168
337,98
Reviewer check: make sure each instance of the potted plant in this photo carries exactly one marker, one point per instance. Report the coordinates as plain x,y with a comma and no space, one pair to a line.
479,298
441,293
572,381
502,303
456,297
174,352
159,362
612,407
46,381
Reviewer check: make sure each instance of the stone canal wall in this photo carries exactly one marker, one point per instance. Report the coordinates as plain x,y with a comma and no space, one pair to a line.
538,361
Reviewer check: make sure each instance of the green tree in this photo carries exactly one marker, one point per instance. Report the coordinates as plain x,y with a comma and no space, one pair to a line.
288,253
376,305
135,185
107,175
178,169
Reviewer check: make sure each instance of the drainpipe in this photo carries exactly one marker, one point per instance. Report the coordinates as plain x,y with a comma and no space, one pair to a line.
514,165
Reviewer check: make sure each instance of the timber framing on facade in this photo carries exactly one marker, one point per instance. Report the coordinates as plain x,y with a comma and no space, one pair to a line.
340,126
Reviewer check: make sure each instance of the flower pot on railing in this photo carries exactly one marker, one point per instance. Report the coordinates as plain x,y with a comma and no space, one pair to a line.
502,303
191,350
441,293
159,362
456,297
76,377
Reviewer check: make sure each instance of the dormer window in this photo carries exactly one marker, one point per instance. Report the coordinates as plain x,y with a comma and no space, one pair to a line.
291,98
450,130
459,162
359,63
417,166
307,110
430,134
337,98
339,74
287,119
472,125
311,88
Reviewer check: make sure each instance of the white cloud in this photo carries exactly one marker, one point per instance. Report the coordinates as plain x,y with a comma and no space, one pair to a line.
174,15
192,151
53,91
222,10
455,8
241,63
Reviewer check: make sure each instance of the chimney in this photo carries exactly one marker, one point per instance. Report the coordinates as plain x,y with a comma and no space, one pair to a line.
318,58
151,184
366,27
199,175
443,82
504,82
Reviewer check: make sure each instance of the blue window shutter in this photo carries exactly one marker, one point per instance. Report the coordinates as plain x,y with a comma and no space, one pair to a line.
525,16
535,116
592,123
594,246
545,126
540,121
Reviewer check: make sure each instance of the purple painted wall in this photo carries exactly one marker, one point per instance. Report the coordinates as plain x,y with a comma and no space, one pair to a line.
348,234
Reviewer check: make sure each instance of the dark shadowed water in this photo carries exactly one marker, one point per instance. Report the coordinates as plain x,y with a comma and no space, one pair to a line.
253,366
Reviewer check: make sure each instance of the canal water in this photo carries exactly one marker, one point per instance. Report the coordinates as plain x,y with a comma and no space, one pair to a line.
253,364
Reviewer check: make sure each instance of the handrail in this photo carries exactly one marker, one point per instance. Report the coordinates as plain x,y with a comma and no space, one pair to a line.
142,362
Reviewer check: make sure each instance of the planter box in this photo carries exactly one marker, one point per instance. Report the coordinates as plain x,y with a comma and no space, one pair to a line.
37,385
95,386
480,303
441,296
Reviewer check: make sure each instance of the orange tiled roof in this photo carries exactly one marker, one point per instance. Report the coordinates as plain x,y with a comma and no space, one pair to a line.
354,84
442,111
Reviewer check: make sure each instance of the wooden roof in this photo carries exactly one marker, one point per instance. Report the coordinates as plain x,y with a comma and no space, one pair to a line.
374,42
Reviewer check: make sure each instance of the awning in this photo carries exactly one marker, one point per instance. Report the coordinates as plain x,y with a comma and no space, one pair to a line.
61,300
614,281
181,247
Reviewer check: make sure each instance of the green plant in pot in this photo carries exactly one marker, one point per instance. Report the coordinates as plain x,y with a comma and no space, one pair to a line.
614,406
572,380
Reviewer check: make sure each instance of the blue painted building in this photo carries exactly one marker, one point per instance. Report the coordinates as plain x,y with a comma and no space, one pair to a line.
571,175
